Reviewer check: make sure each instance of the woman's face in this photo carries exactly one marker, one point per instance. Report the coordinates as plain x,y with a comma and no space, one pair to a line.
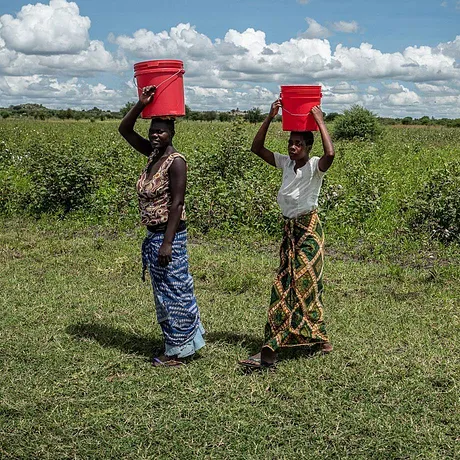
159,135
297,147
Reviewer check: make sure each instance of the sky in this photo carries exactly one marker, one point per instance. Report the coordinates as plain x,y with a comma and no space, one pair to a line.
396,58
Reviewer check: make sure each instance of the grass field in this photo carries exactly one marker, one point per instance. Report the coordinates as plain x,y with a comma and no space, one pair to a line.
78,328
77,337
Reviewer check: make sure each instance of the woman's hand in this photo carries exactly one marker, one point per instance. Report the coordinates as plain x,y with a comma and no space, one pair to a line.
275,108
317,114
165,254
147,93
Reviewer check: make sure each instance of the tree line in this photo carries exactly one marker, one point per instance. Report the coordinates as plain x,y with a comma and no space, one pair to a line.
254,115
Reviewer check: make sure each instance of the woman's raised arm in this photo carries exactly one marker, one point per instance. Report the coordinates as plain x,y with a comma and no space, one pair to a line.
126,128
326,160
258,146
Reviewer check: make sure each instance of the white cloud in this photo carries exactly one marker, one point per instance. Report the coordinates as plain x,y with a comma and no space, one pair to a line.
346,27
52,93
212,98
56,28
451,49
393,87
315,30
404,98
246,56
344,88
428,89
341,99
52,40
87,62
182,40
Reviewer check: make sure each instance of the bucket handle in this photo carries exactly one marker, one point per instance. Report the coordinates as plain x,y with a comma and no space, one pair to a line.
180,71
295,114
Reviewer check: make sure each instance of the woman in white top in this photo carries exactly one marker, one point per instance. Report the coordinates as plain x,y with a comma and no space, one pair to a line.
295,315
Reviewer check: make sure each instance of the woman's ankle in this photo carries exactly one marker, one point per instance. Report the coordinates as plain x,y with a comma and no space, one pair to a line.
267,355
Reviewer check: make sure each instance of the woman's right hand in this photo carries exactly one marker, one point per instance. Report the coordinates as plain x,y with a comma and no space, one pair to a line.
275,108
147,93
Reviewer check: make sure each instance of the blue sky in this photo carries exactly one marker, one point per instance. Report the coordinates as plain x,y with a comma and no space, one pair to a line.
397,58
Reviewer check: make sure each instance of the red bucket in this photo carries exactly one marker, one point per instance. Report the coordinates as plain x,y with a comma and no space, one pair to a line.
167,76
297,103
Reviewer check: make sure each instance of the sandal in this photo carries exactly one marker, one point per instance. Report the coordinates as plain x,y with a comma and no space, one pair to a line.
256,363
157,362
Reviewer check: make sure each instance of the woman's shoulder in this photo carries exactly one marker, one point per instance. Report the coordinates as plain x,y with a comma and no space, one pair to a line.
175,155
281,161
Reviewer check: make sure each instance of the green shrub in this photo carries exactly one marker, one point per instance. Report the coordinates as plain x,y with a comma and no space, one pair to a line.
62,178
230,188
357,123
89,171
435,208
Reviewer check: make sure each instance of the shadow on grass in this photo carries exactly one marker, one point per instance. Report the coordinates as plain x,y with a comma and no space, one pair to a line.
253,345
132,343
111,337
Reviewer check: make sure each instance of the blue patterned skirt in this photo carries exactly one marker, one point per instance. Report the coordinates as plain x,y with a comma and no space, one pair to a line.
175,302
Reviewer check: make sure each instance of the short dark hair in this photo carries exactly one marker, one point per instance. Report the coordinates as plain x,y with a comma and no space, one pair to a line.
307,136
169,123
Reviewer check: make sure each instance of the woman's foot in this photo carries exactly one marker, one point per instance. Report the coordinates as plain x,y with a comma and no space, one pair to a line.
260,360
325,348
167,361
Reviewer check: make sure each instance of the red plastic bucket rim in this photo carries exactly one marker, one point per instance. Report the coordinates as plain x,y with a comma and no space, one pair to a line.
159,63
138,72
301,91
300,86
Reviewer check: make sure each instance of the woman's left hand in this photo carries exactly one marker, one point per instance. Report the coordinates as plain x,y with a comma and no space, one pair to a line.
165,254
147,94
317,114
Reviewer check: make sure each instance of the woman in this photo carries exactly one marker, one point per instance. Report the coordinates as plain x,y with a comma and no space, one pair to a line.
161,191
295,315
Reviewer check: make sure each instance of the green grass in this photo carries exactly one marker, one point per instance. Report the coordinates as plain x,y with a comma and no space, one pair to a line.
78,334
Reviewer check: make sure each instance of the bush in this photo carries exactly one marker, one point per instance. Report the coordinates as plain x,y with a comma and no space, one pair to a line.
61,180
352,202
231,189
357,123
435,208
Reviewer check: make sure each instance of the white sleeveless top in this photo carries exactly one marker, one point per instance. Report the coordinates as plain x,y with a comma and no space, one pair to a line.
299,189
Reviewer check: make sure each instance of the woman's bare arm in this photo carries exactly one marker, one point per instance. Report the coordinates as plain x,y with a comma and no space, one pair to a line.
258,146
126,128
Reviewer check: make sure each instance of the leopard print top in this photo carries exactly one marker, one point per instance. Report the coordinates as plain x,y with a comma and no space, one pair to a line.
154,194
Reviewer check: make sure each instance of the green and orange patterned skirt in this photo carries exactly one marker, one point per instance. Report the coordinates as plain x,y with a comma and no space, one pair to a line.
295,316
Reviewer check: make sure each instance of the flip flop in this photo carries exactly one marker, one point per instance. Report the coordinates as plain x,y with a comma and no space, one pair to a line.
256,363
169,363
